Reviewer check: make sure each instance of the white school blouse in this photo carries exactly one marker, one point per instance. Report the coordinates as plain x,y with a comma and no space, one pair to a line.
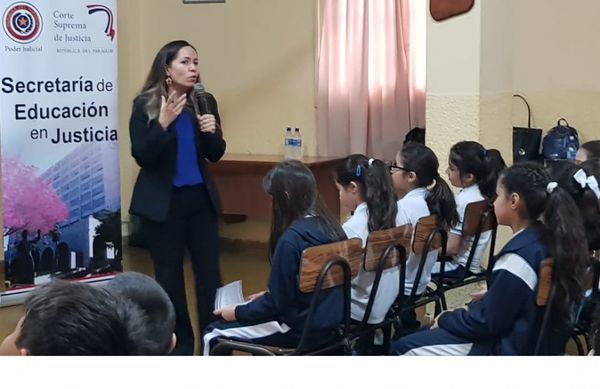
463,198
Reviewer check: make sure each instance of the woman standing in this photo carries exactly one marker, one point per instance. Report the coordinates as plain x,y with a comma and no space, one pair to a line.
174,194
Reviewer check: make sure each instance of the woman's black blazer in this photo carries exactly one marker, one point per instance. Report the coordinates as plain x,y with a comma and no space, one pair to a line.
155,151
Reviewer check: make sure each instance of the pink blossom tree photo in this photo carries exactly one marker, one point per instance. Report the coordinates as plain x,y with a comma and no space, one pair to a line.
29,201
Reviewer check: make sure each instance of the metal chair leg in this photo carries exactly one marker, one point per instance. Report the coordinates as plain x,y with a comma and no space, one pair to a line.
578,345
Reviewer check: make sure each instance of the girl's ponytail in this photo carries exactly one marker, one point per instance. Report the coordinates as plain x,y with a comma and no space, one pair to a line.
494,164
440,201
424,163
380,196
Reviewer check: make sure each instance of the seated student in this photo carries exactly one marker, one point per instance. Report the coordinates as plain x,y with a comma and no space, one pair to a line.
416,135
416,169
475,170
588,150
72,318
299,221
157,336
365,188
506,320
581,182
592,167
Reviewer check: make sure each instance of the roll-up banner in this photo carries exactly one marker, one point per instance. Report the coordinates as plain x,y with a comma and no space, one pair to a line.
59,143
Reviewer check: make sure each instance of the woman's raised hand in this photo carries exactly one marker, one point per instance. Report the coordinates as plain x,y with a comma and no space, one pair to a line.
170,108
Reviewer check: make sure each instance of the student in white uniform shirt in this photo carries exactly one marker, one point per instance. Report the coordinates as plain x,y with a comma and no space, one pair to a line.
414,171
475,170
365,189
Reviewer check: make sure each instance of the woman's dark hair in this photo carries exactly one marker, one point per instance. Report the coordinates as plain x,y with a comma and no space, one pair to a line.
155,85
294,194
592,149
562,232
374,185
585,198
485,165
421,160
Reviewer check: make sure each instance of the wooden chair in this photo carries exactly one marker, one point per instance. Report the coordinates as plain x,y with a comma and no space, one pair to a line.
322,267
544,299
428,236
583,326
479,218
384,249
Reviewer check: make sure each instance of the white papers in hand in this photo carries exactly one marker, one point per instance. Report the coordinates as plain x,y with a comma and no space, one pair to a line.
230,294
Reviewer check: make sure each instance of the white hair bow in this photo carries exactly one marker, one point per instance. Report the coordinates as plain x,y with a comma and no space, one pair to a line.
371,161
589,181
551,186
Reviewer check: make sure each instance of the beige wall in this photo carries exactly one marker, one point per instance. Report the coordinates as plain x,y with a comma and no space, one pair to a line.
453,83
546,50
257,57
496,76
556,57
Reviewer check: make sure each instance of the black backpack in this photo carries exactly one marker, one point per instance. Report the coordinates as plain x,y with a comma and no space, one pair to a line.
561,142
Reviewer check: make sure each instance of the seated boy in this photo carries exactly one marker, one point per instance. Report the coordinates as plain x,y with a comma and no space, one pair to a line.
157,336
70,318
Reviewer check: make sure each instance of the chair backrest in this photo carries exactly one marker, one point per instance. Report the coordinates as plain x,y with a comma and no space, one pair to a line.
385,249
544,282
428,236
314,259
423,229
479,217
545,298
596,274
327,266
380,241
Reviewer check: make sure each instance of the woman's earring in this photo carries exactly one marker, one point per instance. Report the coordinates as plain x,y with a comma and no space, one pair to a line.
168,81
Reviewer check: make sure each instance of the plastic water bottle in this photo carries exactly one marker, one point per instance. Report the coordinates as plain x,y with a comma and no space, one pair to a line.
297,144
287,144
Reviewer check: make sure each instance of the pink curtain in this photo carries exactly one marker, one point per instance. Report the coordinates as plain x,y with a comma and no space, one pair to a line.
368,94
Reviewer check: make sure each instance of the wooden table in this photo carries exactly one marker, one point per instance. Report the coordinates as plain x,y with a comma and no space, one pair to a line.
239,182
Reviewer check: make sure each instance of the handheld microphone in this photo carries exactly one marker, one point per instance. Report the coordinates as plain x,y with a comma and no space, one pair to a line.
201,98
